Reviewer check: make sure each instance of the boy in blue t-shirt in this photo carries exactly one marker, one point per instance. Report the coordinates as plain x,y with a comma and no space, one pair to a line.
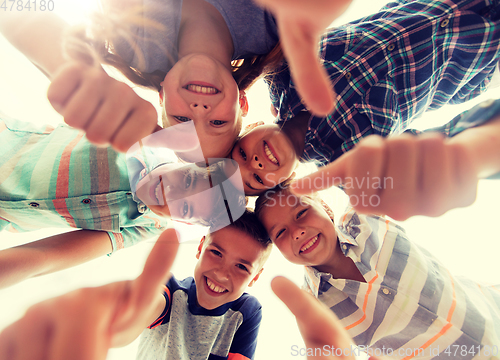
205,317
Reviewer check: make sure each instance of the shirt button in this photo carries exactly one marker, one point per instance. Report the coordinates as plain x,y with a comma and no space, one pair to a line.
86,201
445,23
34,204
391,47
348,76
344,246
385,291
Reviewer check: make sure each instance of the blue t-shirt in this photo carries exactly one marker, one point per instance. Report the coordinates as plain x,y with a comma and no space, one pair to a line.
253,30
187,331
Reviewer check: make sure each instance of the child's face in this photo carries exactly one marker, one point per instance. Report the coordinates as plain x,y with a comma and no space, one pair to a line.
181,192
229,260
202,89
266,157
300,228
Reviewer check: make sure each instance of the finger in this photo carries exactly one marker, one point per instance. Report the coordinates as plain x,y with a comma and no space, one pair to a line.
434,178
112,114
8,343
465,173
330,175
84,103
364,174
399,199
63,86
318,325
32,335
301,50
157,268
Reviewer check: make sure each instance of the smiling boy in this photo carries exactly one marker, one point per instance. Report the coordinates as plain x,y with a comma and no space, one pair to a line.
209,316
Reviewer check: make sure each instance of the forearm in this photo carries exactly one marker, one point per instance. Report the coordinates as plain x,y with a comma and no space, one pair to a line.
51,254
483,145
38,36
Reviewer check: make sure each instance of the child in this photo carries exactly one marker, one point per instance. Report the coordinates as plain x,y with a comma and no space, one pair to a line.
183,50
55,178
207,316
420,168
387,291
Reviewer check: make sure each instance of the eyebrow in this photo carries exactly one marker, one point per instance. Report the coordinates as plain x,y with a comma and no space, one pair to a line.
293,208
243,261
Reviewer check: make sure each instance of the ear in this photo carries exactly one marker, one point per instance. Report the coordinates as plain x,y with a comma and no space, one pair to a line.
161,93
198,253
256,277
243,103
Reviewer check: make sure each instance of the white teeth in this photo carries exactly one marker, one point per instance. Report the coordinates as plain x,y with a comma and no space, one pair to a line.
214,287
270,155
158,192
202,89
309,244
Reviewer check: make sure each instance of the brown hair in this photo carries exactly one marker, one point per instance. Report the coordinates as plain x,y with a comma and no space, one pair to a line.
94,43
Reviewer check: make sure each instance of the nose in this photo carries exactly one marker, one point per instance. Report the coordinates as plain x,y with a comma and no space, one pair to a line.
256,163
298,234
200,107
221,273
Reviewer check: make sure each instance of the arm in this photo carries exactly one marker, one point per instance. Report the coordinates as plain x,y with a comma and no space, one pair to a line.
37,35
106,316
407,175
51,254
301,24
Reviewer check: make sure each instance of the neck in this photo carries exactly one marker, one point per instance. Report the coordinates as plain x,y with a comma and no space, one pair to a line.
203,30
296,129
341,267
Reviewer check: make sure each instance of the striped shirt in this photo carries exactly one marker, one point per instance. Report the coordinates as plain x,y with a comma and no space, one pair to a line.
410,303
56,178
390,67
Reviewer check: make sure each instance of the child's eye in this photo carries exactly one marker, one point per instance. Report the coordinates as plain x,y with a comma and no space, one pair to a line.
242,267
182,118
301,212
188,180
278,234
243,155
218,122
185,209
216,252
257,177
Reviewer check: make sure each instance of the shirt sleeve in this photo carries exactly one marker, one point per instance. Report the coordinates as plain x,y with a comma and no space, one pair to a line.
133,235
245,339
477,116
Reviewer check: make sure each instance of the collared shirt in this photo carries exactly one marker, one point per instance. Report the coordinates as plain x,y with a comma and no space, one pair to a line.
409,301
56,178
390,67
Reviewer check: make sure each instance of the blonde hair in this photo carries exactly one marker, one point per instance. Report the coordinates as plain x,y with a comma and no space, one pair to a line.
93,43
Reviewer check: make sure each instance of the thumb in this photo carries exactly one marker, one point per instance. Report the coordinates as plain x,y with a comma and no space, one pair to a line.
157,268
327,176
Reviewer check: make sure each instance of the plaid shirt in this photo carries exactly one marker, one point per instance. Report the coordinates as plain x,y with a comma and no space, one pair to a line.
410,304
390,67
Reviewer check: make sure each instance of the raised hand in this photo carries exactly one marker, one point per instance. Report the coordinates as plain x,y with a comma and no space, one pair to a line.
109,111
319,327
301,24
85,323
401,176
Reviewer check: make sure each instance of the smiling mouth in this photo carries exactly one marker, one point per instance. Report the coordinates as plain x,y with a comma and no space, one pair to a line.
270,155
200,89
215,288
309,244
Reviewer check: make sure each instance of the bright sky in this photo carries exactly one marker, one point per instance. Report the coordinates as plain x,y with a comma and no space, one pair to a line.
463,239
